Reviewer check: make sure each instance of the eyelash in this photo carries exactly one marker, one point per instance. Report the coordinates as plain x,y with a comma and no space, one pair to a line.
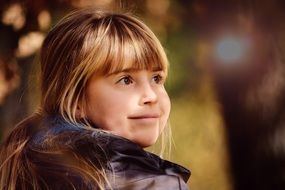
123,79
159,78
127,80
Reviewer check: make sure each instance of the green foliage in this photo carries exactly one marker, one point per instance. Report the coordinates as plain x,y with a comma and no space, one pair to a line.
200,142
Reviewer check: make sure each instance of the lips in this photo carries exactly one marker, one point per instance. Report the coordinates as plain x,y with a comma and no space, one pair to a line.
145,116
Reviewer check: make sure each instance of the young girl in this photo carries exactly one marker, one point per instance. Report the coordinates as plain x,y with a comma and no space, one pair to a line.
103,101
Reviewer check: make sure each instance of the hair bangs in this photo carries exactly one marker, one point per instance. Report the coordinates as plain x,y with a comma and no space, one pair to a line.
126,45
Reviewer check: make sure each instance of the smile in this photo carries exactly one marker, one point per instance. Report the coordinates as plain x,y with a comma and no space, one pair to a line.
147,116
146,119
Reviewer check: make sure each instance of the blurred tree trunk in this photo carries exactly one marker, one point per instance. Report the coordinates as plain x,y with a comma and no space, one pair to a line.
252,96
16,105
20,18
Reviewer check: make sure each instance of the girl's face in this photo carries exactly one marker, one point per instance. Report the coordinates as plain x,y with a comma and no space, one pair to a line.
131,103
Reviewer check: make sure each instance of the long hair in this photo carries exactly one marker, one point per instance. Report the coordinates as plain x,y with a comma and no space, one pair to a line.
86,42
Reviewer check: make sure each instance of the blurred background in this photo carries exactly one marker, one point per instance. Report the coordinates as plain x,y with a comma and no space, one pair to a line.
226,80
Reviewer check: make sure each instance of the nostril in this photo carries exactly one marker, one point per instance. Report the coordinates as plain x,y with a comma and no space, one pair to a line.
147,102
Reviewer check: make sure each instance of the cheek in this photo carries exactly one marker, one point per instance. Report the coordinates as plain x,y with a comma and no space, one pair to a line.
166,104
165,107
106,112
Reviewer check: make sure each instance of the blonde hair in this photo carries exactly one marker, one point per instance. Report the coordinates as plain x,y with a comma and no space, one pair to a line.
92,42
84,43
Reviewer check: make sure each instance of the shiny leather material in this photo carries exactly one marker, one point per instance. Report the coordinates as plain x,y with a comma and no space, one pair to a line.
128,166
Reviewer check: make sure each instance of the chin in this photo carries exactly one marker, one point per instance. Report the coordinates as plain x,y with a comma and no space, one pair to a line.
147,142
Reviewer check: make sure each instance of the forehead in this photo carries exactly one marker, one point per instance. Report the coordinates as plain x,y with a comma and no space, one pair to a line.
131,69
133,65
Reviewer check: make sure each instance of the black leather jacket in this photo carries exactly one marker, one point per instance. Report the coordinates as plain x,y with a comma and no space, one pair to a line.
128,166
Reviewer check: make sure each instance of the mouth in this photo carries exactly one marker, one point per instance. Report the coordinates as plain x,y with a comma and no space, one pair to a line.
148,119
145,116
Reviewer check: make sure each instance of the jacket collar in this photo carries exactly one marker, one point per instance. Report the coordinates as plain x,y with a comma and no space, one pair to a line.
122,153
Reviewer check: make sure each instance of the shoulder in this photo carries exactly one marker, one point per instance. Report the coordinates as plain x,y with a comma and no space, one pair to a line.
57,130
134,168
56,135
63,152
138,174
153,182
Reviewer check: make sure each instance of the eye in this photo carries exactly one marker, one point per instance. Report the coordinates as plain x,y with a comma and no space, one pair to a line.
126,80
158,79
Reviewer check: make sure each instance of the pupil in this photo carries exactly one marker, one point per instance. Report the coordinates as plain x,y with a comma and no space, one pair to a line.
127,81
156,79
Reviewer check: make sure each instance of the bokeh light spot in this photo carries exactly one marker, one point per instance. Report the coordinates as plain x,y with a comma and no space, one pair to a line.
14,15
231,49
44,20
29,44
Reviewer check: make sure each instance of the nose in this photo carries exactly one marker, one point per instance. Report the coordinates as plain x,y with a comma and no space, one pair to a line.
148,95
